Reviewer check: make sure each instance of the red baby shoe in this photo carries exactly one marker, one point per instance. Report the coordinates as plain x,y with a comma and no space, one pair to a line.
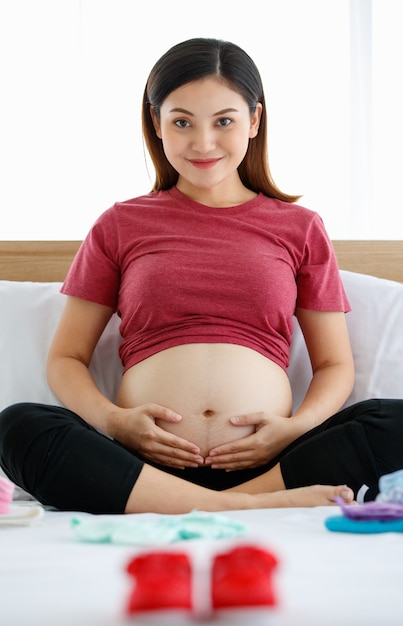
163,581
243,577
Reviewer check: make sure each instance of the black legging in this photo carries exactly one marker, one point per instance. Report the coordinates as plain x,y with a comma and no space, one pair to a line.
62,461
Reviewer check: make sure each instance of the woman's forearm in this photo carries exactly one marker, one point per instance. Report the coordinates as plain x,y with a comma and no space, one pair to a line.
72,382
329,389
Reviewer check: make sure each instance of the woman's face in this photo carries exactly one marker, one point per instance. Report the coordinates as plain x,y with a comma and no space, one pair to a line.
205,129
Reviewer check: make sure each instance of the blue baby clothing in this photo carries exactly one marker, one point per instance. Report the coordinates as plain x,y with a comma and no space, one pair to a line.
160,530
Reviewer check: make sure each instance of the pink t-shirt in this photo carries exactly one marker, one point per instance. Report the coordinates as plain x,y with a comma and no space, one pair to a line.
180,272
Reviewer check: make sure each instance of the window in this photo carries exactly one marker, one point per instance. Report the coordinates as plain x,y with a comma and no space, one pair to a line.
72,81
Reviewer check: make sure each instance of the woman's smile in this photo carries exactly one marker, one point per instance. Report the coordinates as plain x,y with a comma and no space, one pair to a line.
204,163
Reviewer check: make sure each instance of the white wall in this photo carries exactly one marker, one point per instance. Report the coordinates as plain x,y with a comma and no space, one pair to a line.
73,74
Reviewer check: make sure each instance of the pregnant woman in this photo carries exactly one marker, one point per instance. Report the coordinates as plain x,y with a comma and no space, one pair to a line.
207,272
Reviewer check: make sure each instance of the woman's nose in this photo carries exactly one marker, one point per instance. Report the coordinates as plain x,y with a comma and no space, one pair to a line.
203,141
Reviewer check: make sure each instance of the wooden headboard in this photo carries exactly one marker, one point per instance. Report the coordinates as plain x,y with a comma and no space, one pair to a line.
48,261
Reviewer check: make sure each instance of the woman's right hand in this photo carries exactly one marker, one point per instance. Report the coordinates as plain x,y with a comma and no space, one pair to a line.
136,428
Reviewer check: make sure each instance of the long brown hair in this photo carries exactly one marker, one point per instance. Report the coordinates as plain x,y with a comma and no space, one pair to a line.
195,59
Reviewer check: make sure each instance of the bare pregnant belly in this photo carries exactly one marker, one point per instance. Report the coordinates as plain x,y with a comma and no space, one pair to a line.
207,384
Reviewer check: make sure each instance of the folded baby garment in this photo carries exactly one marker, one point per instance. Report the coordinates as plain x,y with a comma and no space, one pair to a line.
391,488
159,530
6,495
343,524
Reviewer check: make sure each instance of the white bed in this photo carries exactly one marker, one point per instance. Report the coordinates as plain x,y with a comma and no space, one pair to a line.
48,577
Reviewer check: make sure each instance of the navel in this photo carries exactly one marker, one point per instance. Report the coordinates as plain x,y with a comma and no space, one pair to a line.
208,413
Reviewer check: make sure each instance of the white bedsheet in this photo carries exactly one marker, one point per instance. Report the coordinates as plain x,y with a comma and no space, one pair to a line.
48,578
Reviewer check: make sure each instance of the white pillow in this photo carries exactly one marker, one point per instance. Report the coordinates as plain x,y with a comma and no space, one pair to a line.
29,313
376,331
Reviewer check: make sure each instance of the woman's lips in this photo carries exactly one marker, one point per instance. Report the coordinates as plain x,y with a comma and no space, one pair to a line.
204,163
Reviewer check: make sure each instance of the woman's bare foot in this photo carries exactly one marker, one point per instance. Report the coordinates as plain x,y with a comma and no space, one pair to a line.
314,495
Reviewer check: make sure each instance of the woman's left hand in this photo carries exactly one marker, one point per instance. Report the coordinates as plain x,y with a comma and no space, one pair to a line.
272,434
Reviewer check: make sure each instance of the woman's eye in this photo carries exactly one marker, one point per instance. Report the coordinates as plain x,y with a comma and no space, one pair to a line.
181,123
224,121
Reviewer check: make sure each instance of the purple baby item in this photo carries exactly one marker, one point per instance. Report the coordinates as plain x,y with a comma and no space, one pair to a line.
380,511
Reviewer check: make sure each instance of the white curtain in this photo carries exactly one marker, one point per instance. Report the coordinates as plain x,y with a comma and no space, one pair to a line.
72,75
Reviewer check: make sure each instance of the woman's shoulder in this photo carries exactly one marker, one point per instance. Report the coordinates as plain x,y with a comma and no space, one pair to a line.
148,200
288,215
132,210
283,207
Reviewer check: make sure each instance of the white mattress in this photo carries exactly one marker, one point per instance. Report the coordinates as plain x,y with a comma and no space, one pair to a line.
49,578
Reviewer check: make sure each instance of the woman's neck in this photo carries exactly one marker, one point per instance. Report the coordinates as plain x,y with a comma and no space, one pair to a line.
221,196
